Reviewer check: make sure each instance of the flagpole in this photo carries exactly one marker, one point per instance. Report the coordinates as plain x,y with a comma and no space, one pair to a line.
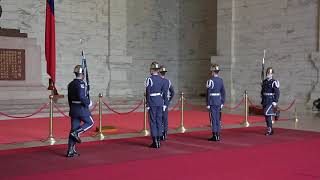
50,45
85,68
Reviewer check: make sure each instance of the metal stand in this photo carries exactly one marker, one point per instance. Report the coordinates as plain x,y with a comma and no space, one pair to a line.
182,129
145,131
100,134
245,122
50,138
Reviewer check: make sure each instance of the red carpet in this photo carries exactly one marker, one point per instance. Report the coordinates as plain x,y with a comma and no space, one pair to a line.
35,129
242,154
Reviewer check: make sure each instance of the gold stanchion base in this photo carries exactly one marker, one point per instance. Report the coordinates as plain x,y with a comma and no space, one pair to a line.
245,123
100,135
145,132
50,140
182,129
106,129
296,124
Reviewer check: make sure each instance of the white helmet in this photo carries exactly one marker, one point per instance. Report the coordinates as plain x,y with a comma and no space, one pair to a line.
215,68
78,69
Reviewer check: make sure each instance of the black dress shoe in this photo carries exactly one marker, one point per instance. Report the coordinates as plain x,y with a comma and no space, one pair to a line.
155,142
70,154
214,137
158,141
269,133
75,153
218,136
165,136
76,137
154,145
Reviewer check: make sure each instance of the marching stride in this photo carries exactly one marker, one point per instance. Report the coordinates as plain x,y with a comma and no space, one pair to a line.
79,104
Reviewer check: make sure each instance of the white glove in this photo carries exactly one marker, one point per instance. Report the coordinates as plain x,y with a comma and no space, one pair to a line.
274,104
221,106
148,108
90,104
208,107
164,108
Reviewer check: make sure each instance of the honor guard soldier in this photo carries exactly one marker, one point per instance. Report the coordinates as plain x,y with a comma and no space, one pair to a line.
170,95
270,94
79,105
156,95
215,101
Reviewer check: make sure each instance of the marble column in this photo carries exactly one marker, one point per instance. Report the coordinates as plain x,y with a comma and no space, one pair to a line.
119,62
314,57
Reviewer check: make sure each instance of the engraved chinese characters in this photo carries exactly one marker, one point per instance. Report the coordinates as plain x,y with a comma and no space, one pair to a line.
12,64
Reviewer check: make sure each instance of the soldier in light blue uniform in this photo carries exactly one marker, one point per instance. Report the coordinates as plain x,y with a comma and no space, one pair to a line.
156,94
79,110
170,95
215,101
270,94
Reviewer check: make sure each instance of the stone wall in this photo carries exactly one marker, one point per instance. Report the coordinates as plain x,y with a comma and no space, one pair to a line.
197,42
287,29
179,34
152,35
74,20
122,38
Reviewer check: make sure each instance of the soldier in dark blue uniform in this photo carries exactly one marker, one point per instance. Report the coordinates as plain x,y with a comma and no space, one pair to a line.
156,94
215,101
170,95
270,95
79,105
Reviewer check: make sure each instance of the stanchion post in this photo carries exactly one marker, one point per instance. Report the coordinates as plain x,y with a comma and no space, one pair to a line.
246,122
51,139
145,131
296,115
182,129
100,134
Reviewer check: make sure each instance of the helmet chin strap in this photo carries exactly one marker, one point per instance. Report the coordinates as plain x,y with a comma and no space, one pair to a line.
269,76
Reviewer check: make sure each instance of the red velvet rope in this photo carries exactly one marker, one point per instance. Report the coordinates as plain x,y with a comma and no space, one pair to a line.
285,109
176,105
236,106
94,107
226,106
59,110
289,107
193,106
36,112
122,113
251,103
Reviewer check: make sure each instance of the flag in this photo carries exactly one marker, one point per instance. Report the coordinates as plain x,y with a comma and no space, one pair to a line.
50,43
85,72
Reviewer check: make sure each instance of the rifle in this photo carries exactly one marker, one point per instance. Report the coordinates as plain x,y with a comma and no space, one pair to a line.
262,66
85,71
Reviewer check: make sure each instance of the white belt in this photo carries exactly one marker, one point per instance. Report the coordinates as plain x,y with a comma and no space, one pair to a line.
155,94
268,94
214,94
76,102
